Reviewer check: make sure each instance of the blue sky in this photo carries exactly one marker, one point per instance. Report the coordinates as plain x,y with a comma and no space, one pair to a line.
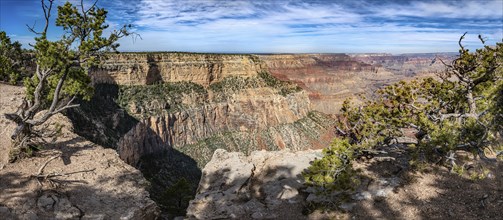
284,26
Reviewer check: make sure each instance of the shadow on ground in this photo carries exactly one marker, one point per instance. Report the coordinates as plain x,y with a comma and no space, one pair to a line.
394,191
437,193
24,198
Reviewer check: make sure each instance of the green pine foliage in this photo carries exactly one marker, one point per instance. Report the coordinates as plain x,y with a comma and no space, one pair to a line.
176,198
232,84
62,68
333,171
168,96
11,60
460,109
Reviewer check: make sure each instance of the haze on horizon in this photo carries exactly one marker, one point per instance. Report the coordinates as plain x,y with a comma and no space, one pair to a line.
284,26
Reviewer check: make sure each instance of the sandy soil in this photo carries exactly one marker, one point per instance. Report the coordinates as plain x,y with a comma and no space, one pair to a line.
433,193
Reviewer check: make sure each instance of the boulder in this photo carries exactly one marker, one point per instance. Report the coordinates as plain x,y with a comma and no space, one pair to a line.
260,186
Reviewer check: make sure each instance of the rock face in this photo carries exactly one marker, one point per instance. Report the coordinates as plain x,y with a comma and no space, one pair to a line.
247,112
140,141
225,110
328,78
234,105
251,110
407,64
262,185
150,68
238,113
331,78
260,117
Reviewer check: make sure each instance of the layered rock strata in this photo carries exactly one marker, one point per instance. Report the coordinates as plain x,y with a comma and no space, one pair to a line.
249,119
231,104
151,68
328,78
331,78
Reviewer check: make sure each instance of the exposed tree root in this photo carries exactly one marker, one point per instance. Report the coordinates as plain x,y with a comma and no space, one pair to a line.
51,177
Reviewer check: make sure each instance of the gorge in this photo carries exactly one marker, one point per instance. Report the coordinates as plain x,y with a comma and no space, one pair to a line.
184,106
238,102
166,113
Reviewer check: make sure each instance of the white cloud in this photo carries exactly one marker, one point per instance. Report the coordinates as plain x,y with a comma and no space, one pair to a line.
293,26
448,9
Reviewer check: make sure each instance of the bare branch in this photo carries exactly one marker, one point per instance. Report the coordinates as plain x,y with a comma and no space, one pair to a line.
47,14
57,91
41,169
92,6
50,113
37,93
32,28
460,44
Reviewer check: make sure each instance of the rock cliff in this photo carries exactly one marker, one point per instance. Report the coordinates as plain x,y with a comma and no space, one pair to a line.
169,130
407,64
331,78
217,98
197,121
151,68
328,78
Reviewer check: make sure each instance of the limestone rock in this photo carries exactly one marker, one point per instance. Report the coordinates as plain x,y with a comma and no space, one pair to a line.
6,213
150,68
260,186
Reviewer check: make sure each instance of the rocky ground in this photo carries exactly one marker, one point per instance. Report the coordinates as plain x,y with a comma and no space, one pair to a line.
91,182
268,185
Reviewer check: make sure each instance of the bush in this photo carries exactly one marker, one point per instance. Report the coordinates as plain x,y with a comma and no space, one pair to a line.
12,60
176,198
333,171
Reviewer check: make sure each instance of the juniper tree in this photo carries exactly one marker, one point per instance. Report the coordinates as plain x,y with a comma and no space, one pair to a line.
11,59
62,68
460,109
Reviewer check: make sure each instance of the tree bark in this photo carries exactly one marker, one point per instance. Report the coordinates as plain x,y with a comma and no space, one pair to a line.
472,107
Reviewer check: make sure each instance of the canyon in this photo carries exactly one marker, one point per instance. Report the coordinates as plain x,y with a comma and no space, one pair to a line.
185,106
167,113
197,103
329,79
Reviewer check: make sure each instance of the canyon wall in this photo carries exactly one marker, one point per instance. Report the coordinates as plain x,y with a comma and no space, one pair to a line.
328,78
247,119
150,68
197,103
418,64
331,78
227,97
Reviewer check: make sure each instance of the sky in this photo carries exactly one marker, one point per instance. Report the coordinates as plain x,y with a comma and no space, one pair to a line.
283,26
